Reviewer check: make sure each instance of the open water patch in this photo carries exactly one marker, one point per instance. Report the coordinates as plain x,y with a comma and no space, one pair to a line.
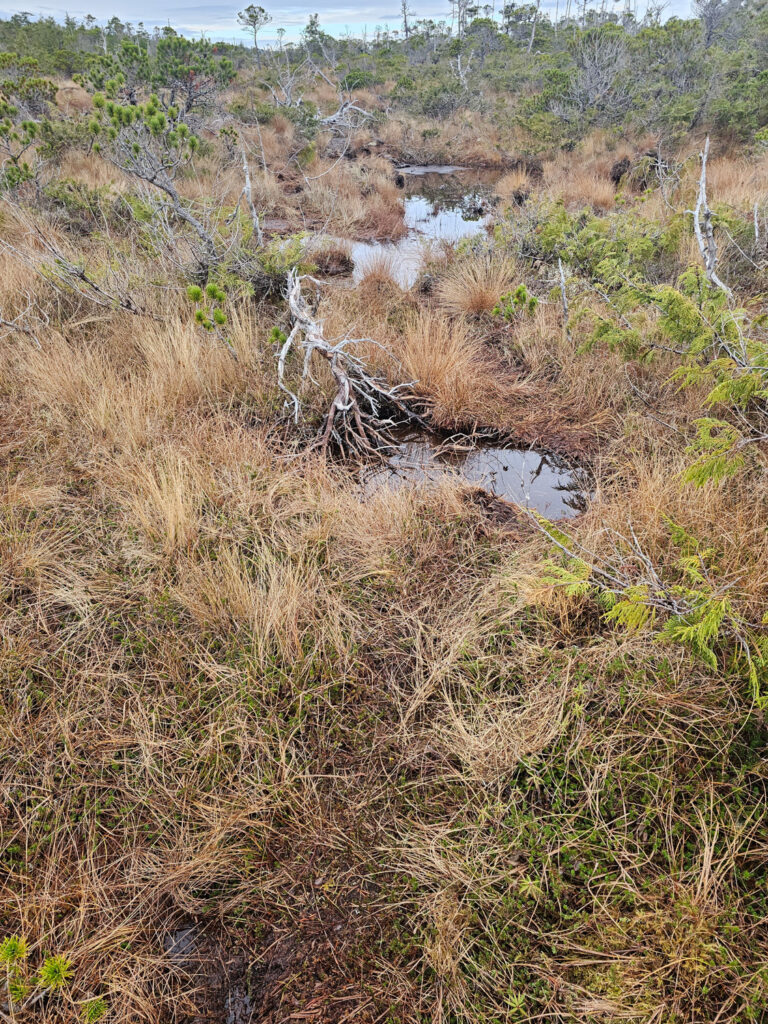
443,204
533,479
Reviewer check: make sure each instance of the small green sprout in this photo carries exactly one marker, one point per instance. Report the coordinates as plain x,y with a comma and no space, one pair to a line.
18,989
511,305
55,972
209,313
13,949
95,1010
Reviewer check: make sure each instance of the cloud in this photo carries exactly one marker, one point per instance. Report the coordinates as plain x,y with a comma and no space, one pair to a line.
219,20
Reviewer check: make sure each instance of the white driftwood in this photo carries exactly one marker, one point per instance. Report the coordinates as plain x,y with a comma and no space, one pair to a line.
247,194
357,418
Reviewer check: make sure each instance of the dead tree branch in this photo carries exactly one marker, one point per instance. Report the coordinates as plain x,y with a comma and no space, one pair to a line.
703,229
461,69
357,420
348,116
18,325
54,266
247,194
288,81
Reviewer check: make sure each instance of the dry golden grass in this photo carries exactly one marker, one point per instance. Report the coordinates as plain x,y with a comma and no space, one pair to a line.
73,99
377,268
586,188
92,170
383,219
355,203
458,139
452,370
355,740
267,193
732,513
473,285
514,184
740,182
582,178
213,177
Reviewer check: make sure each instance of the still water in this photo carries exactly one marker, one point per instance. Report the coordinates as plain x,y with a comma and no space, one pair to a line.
533,479
442,204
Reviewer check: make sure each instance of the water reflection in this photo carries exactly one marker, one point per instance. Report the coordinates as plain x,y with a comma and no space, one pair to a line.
526,477
442,204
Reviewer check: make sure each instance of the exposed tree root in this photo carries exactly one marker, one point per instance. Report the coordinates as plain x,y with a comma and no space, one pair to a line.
362,408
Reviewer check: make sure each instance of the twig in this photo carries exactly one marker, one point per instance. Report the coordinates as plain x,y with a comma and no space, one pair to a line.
564,298
355,419
248,193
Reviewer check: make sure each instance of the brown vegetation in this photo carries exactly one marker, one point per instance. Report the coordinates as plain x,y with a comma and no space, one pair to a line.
277,747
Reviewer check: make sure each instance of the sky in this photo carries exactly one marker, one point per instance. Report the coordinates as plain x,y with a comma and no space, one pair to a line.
219,20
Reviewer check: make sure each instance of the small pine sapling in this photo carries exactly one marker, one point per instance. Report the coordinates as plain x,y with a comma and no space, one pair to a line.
24,987
209,312
94,1010
24,100
153,145
514,304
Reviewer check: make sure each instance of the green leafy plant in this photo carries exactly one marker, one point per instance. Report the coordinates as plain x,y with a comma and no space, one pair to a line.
24,98
13,950
120,74
209,312
189,72
24,987
55,972
280,255
684,602
154,144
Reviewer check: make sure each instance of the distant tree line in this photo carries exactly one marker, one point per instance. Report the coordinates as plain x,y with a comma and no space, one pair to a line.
559,77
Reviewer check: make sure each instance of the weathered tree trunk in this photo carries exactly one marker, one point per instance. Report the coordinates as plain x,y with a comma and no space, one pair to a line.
703,229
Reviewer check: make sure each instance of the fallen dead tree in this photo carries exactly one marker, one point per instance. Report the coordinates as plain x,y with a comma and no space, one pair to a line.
363,407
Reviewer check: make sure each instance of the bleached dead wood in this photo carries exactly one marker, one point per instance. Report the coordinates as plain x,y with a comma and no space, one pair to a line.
703,228
247,194
461,68
359,415
348,117
287,81
20,323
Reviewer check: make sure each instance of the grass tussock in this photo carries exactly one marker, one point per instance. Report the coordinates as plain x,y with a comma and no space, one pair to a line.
473,285
450,367
515,185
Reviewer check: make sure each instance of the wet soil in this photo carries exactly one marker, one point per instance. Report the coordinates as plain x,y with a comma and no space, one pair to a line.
443,204
300,973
